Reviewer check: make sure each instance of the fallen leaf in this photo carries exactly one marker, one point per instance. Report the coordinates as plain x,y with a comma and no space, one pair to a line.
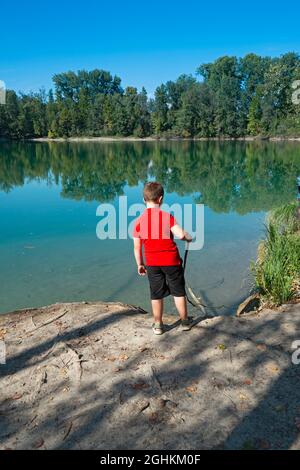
191,388
247,382
159,356
113,359
39,443
63,371
17,396
123,357
2,333
261,347
243,397
221,346
140,385
272,368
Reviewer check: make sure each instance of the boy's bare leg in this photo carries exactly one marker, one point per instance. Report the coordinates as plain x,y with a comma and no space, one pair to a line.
157,309
181,306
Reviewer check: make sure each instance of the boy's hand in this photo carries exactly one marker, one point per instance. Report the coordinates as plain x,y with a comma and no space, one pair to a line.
181,234
142,271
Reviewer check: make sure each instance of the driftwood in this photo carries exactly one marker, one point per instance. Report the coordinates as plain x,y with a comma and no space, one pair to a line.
250,304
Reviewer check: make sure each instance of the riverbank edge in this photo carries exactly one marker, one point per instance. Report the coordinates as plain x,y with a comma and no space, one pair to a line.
165,139
7,316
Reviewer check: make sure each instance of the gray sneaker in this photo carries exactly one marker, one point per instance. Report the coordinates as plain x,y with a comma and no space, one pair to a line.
187,324
158,328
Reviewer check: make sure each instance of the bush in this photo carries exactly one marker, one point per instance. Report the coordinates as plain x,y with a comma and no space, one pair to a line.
277,269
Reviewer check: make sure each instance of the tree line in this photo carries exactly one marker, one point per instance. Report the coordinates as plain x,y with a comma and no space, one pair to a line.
230,97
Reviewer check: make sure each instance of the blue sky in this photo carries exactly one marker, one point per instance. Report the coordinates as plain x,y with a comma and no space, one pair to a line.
145,43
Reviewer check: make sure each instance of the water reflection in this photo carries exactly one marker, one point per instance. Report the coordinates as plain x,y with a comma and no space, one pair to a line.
230,176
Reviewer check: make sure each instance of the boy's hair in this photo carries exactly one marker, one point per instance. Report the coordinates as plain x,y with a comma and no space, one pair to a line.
153,191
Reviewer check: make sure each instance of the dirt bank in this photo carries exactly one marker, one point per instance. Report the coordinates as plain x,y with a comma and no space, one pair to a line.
93,376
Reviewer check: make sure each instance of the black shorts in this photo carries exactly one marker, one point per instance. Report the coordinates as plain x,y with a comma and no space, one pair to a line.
166,280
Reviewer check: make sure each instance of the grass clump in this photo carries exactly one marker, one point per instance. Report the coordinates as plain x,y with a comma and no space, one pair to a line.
277,269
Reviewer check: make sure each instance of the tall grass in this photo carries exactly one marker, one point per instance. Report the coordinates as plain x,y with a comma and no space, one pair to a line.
277,269
285,218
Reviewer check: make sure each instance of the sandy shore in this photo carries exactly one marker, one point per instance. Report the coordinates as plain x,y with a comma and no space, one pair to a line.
93,376
156,139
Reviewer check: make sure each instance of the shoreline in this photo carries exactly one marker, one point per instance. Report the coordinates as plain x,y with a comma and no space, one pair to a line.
164,139
92,375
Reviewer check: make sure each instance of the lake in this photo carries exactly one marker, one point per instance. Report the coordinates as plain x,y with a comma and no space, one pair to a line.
49,193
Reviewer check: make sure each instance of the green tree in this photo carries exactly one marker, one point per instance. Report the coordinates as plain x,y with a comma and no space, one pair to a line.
161,110
224,79
196,114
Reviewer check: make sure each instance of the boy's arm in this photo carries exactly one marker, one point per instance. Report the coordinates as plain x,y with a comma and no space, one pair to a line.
180,233
138,254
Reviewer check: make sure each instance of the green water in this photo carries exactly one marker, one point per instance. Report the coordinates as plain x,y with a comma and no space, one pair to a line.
49,193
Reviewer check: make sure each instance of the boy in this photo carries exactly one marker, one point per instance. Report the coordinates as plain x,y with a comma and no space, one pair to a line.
154,230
